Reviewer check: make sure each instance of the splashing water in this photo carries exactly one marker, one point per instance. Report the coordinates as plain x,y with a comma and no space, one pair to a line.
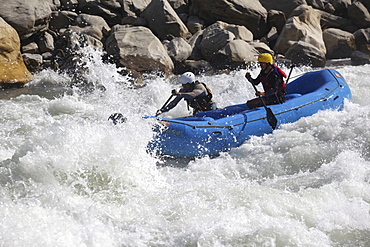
69,177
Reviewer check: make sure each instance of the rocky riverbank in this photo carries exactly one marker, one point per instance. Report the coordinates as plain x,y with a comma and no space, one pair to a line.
173,36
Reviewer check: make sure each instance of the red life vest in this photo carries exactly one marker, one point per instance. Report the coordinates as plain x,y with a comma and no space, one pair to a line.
280,72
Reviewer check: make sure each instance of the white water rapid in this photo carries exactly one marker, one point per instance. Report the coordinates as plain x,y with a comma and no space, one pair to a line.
69,177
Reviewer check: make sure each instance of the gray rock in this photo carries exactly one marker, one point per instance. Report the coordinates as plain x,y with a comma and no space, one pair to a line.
69,4
30,48
250,14
239,52
359,58
95,26
328,20
178,49
339,43
180,6
46,42
28,18
360,16
194,42
194,24
303,26
276,19
362,40
302,53
164,21
33,61
106,9
61,19
137,48
134,7
286,6
215,38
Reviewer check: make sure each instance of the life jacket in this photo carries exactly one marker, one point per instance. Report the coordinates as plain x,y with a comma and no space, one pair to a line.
268,86
202,102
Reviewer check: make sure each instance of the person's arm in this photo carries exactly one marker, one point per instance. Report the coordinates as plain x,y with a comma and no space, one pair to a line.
251,80
198,90
171,105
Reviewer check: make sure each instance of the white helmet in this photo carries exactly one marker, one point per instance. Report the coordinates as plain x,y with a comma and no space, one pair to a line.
187,77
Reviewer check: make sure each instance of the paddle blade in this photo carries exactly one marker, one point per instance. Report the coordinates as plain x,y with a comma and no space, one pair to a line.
271,119
117,118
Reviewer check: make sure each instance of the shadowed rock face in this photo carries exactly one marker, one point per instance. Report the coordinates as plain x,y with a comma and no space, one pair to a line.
286,6
250,14
12,68
28,17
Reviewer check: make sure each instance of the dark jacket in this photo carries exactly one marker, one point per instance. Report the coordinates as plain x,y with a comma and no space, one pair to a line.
198,97
273,84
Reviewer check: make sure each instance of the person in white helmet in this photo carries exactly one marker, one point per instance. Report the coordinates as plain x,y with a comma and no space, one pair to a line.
196,94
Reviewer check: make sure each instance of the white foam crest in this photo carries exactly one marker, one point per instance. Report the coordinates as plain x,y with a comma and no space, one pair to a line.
357,78
69,177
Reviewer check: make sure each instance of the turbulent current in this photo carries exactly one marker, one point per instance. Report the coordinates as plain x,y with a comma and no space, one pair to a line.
69,177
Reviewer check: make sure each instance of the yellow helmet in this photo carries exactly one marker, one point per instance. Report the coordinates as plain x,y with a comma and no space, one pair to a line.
265,58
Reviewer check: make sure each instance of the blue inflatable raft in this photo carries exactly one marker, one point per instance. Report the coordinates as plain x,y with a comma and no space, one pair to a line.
212,132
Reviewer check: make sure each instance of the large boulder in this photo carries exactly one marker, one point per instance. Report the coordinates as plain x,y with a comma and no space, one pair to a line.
339,43
92,25
13,71
134,7
250,14
261,47
137,48
226,45
305,27
276,19
163,21
341,7
329,20
358,13
194,43
317,4
362,39
237,53
302,53
109,10
61,19
215,38
28,17
366,3
359,58
178,49
286,6
240,32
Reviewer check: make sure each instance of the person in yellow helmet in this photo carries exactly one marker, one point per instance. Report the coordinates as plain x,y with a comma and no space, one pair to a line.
272,79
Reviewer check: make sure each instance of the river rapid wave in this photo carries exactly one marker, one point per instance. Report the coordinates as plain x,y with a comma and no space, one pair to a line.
69,177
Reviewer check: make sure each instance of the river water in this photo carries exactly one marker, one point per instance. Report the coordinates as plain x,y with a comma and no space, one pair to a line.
69,177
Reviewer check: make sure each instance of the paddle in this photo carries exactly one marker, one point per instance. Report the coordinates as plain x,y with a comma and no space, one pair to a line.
164,105
290,72
271,119
117,117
